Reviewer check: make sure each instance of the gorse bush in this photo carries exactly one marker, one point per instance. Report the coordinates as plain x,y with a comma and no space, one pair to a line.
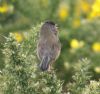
78,22
77,44
79,28
82,84
21,74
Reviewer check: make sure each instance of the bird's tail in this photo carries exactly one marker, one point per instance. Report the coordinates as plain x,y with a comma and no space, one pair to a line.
45,63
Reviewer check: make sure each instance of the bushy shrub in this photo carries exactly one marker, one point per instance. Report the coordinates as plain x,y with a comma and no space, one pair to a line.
21,74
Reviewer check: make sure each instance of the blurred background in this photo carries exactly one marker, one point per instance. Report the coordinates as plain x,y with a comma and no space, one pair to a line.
78,22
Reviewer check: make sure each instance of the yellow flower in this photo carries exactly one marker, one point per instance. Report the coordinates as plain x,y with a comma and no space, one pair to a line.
95,9
97,69
96,47
18,37
4,8
96,6
76,23
85,6
94,14
75,44
63,12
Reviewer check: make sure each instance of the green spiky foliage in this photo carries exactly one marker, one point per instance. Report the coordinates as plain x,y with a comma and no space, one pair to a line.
21,74
20,15
82,83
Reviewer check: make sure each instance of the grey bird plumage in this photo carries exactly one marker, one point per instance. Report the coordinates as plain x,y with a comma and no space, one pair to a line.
49,46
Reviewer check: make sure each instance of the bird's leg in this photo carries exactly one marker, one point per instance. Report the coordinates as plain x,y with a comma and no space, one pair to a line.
50,68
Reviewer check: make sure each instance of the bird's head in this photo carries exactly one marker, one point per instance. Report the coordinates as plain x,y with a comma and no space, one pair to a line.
49,27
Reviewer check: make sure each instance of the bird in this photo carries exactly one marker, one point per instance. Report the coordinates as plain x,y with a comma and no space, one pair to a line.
49,45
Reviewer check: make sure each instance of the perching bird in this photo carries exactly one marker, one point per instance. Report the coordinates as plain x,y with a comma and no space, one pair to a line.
49,46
